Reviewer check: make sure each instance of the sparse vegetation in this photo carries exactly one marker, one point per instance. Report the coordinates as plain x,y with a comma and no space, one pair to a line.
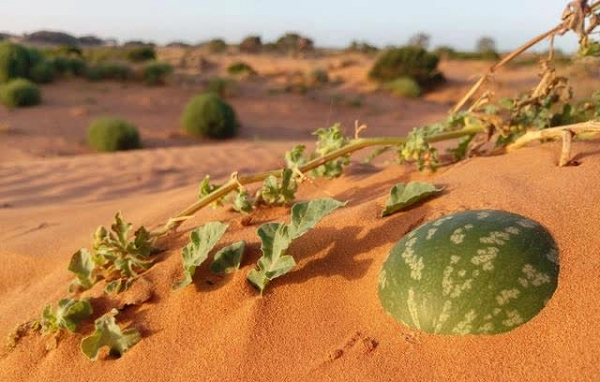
141,54
207,115
19,93
113,134
109,71
14,61
251,44
240,68
217,45
318,77
409,61
42,73
404,87
155,73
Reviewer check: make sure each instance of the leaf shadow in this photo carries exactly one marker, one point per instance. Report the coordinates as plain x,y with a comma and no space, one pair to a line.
345,246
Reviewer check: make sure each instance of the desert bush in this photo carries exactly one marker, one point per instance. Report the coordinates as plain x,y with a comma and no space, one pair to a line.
224,87
42,73
361,47
14,61
35,57
155,73
420,40
77,66
113,134
141,54
207,115
68,50
409,61
60,63
251,44
217,45
108,71
404,87
293,42
20,92
318,76
240,68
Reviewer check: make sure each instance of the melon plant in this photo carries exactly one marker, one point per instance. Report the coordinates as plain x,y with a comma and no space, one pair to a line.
474,272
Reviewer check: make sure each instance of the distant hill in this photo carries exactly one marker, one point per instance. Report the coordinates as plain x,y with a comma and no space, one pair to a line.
60,38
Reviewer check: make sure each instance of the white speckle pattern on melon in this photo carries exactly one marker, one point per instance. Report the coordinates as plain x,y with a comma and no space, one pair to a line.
474,272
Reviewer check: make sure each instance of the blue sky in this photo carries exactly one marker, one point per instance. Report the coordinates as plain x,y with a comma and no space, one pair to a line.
329,22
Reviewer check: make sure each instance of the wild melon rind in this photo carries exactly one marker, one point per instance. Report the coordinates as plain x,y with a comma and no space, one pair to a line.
474,272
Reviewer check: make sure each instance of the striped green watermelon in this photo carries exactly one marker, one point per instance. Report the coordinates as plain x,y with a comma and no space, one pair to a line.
474,272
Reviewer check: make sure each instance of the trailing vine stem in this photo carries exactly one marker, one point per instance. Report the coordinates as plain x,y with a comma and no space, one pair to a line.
354,145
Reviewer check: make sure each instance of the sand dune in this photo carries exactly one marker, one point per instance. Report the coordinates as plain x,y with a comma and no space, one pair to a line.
321,322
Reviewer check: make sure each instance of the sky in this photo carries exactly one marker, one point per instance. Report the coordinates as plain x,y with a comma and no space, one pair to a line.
331,23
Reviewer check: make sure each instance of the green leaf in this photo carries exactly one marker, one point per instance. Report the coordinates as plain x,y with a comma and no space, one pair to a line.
331,139
202,241
460,151
242,203
121,229
377,152
403,196
108,333
67,315
119,285
274,192
307,214
206,188
277,237
84,267
295,157
228,259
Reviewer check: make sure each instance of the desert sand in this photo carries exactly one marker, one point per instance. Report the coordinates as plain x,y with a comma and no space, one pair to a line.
322,321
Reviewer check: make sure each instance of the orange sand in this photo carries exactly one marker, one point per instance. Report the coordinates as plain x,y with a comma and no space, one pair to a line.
323,321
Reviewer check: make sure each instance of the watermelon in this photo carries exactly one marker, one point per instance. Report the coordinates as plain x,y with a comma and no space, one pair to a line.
474,272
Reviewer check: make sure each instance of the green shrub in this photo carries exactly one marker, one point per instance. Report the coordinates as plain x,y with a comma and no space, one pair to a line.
35,57
224,87
14,61
61,64
240,68
20,92
404,87
156,72
69,50
108,71
77,66
207,115
141,53
113,134
42,73
408,61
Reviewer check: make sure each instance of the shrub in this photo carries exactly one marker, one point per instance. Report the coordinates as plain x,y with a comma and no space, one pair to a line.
404,87
141,53
35,57
251,44
217,45
42,73
77,66
207,115
409,61
69,50
14,61
240,68
61,64
20,92
113,134
156,72
109,71
224,87
318,77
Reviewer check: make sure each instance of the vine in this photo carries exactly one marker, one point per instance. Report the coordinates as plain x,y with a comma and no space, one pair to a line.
119,255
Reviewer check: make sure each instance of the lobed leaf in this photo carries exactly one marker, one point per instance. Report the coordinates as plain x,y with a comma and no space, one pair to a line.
108,333
228,259
242,203
274,192
295,157
277,237
202,241
67,316
403,196
207,188
83,266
